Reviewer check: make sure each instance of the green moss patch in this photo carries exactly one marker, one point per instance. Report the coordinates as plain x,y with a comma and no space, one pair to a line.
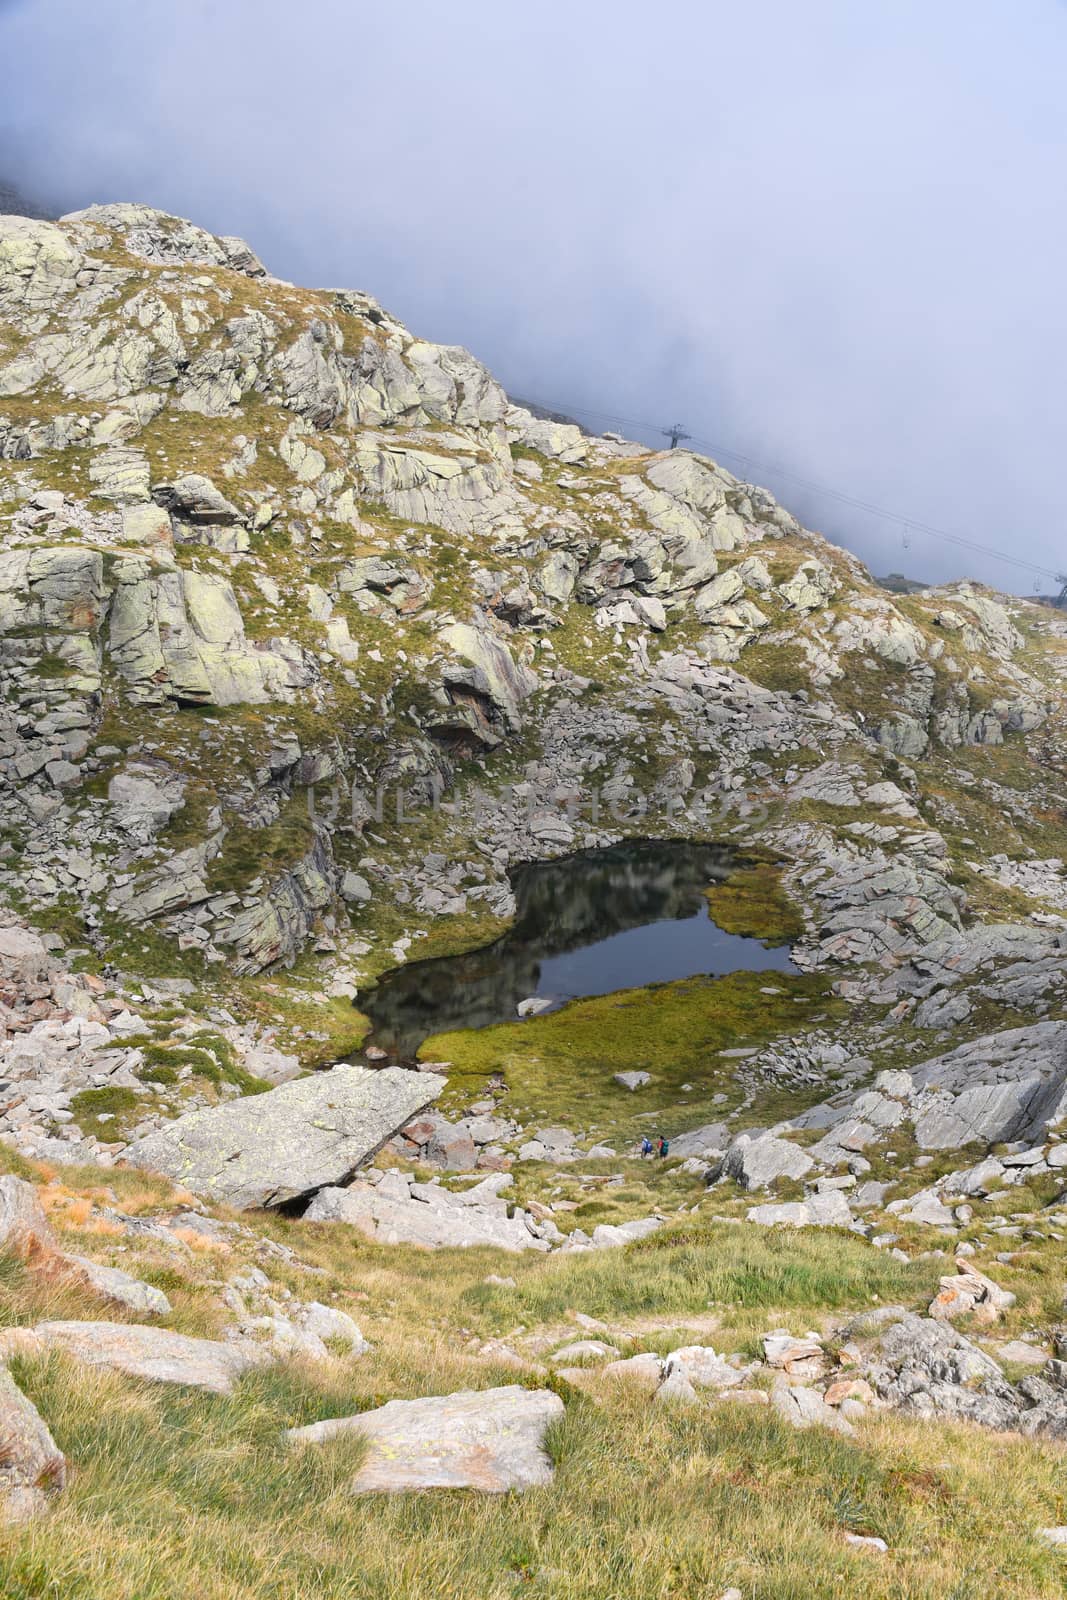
105,1112
753,903
208,1055
560,1066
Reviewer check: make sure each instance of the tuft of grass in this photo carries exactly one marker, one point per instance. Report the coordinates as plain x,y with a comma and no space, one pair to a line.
209,1055
688,1267
112,1104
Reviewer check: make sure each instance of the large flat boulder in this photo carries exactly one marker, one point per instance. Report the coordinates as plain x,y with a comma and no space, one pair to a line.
269,1148
23,956
490,1439
155,1353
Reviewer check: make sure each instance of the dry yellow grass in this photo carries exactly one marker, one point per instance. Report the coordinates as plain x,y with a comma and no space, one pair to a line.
176,1493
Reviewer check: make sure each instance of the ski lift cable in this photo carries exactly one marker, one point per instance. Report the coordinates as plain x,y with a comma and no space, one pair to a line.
854,502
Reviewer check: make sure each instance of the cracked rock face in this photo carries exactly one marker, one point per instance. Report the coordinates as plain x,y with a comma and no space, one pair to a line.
269,1149
1001,1087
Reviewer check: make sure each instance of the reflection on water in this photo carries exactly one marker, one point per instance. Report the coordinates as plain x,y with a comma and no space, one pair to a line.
589,924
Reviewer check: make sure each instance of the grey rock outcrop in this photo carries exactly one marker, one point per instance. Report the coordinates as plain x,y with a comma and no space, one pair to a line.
756,1163
398,1211
276,927
1001,1087
492,677
491,1440
24,1228
926,1366
269,1149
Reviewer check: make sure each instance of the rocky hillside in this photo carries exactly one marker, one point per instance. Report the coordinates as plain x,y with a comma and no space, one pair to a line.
259,539
308,637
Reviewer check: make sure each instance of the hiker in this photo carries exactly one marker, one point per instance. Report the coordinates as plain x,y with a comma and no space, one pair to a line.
662,1146
646,1146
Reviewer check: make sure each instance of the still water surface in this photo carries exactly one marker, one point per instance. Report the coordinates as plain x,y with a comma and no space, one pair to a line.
588,924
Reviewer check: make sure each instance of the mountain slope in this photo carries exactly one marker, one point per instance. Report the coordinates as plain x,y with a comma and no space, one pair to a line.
308,637
262,497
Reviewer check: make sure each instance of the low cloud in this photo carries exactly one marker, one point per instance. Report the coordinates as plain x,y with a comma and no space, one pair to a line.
826,236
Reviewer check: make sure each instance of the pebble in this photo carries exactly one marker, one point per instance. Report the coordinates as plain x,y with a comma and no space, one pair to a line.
866,1541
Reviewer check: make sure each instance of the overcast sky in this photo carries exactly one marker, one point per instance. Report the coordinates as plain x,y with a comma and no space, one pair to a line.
830,236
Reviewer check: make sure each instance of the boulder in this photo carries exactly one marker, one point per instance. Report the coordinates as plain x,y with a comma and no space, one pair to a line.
493,672
867,1541
610,1235
265,1150
757,1163
31,1464
491,1440
797,1357
23,955
121,1288
805,1408
827,1210
24,1229
645,1369
704,1368
970,1292
675,1387
272,1065
425,1214
328,1322
810,587
979,1180
355,889
1021,1353
195,502
142,801
274,928
709,1140
154,1353
925,1207
533,1005
146,525
788,1214
585,1350
451,1147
